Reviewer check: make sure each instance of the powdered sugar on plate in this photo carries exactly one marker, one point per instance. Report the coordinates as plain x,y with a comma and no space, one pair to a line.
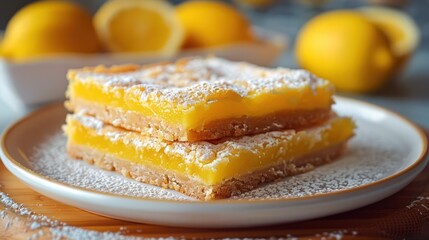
43,227
367,159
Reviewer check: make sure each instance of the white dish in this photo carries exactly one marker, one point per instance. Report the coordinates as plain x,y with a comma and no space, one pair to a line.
28,84
387,153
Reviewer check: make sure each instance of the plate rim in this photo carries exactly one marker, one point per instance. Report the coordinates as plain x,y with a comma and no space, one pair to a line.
419,160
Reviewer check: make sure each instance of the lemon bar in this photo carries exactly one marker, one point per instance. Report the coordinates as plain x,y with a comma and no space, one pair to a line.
198,99
207,169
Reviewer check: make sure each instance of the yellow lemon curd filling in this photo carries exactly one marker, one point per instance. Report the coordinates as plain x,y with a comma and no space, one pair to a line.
208,162
223,104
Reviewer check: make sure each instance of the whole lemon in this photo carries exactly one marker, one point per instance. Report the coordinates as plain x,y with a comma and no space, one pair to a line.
347,49
211,23
49,27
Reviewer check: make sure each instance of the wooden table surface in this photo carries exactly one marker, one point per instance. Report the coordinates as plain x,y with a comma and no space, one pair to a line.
403,215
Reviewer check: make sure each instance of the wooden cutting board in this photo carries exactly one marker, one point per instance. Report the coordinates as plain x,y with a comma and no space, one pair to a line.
403,215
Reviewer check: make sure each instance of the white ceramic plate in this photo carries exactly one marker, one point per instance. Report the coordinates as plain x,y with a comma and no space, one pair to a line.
387,153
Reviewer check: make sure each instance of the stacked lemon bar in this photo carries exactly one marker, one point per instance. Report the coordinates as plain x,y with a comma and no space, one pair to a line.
207,127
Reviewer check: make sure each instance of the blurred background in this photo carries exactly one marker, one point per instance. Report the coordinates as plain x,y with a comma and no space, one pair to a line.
404,90
287,16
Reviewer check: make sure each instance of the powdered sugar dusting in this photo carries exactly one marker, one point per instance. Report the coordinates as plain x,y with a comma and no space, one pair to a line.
371,156
89,122
43,227
198,80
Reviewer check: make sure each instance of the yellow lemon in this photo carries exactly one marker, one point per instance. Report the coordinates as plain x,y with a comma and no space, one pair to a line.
139,26
401,30
47,28
211,23
347,49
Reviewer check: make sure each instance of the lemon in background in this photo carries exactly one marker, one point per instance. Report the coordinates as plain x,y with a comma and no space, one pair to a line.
401,30
139,26
49,27
347,49
212,23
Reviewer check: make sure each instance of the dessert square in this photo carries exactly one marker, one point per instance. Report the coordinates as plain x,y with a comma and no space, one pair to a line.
208,169
197,99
